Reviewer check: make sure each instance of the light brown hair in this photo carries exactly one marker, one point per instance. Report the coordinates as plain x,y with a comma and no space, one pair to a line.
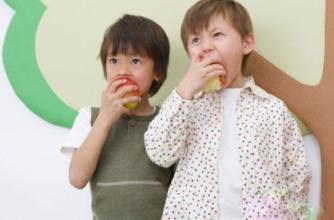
199,15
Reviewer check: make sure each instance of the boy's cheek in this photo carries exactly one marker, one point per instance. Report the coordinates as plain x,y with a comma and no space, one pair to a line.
109,78
192,51
111,75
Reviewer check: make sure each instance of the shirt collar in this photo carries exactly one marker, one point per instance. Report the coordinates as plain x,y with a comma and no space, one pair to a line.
250,85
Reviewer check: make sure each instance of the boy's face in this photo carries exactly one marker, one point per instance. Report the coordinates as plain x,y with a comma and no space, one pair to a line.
221,40
137,67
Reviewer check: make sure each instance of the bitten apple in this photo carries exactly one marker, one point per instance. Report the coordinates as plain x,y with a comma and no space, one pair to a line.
129,82
215,84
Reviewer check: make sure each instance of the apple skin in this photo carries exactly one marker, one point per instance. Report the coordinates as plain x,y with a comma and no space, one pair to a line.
215,84
129,82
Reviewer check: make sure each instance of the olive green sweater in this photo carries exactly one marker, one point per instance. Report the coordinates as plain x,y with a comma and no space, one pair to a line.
126,184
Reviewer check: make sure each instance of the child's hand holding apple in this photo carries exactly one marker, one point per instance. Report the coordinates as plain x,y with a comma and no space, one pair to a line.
120,96
206,73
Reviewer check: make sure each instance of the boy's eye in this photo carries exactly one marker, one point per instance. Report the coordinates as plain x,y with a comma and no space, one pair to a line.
194,40
113,60
136,61
218,34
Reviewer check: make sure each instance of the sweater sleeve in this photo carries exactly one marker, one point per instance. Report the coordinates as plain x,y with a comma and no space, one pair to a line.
167,133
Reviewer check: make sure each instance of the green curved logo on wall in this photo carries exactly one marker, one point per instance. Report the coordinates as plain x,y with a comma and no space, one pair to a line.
51,47
19,57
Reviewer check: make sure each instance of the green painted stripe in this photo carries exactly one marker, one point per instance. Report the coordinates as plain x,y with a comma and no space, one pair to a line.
19,57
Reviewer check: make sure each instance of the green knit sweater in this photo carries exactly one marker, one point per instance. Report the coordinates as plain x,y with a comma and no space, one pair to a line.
126,184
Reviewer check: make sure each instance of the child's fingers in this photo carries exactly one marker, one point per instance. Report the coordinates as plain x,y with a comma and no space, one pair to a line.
215,73
124,90
214,67
121,108
112,87
210,60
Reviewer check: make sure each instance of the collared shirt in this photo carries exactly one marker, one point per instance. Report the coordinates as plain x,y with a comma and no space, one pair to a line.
274,170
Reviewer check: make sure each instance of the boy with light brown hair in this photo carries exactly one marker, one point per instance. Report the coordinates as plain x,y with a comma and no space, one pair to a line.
240,154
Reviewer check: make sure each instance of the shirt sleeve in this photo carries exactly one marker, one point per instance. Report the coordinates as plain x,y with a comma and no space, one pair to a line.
166,134
78,133
297,171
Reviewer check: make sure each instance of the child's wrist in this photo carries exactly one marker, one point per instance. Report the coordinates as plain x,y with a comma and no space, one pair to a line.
184,93
103,122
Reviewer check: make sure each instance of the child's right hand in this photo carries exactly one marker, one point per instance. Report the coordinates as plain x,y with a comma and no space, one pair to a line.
113,101
201,71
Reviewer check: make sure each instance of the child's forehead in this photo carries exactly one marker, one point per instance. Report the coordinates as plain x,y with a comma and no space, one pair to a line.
214,21
219,20
125,49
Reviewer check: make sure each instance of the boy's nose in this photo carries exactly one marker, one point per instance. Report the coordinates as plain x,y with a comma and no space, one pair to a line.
123,70
207,46
207,50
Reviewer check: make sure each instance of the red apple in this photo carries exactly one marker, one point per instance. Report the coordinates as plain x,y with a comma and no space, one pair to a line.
129,82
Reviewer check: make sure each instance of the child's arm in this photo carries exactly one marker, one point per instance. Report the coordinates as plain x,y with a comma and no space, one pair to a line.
85,158
297,172
165,138
166,134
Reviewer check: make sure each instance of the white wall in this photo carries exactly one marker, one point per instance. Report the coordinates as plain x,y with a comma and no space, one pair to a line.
33,173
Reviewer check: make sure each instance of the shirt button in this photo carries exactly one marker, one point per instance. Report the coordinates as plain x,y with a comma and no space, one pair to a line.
132,123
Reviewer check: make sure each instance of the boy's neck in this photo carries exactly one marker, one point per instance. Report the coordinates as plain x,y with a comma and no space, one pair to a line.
143,109
238,82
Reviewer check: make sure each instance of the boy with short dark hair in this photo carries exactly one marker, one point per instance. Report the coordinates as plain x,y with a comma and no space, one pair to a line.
107,143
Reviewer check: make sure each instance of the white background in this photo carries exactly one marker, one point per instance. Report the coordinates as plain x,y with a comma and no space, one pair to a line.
33,173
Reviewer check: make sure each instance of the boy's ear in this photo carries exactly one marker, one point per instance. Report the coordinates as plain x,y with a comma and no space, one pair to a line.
156,78
248,44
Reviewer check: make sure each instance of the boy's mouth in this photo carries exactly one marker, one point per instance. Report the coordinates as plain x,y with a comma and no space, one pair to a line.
218,62
129,82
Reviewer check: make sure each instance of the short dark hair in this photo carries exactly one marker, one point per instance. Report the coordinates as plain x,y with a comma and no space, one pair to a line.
140,35
199,15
